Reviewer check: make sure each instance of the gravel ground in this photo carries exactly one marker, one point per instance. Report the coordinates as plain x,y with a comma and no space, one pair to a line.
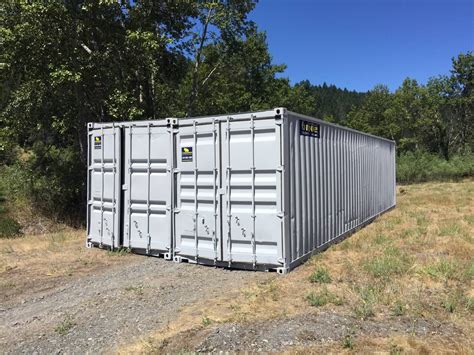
301,331
98,312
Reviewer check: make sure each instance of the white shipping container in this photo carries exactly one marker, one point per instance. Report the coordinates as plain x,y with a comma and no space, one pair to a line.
262,190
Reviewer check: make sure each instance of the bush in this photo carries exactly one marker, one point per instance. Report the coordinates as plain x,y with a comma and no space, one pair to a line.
51,179
420,167
8,226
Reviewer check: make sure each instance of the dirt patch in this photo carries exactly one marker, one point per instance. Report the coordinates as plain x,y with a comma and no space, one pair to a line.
307,330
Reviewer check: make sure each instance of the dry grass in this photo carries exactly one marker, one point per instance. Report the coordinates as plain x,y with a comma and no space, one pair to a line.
415,261
34,262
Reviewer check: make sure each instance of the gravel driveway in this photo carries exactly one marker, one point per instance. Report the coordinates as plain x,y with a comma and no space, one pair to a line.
100,311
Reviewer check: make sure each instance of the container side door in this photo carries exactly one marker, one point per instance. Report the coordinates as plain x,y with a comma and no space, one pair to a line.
103,208
148,195
197,213
252,224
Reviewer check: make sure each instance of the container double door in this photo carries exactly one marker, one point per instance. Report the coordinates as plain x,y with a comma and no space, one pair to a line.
147,192
228,183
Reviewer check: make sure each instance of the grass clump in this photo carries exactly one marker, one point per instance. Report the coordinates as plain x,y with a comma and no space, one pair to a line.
469,219
65,326
470,304
368,296
445,269
135,289
118,252
206,321
391,262
381,239
398,308
320,275
322,298
454,301
449,229
348,342
449,305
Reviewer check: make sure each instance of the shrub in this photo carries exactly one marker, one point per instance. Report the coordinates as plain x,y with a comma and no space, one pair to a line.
419,167
9,227
50,178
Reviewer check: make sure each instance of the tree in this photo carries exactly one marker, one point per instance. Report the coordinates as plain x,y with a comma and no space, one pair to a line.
375,116
437,117
65,63
69,62
223,24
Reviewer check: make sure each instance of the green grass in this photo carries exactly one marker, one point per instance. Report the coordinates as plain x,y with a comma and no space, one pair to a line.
368,296
445,269
118,252
139,290
348,342
449,229
381,239
320,275
322,298
206,321
398,308
470,304
469,219
65,326
391,262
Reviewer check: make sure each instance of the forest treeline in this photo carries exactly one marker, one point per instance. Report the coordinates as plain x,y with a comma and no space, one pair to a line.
65,63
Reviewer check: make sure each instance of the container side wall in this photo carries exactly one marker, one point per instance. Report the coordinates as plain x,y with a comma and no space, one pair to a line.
337,180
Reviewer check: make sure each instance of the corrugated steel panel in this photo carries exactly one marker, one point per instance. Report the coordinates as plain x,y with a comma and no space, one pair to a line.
338,180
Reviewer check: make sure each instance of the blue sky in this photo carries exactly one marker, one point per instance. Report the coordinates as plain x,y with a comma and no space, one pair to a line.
360,43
